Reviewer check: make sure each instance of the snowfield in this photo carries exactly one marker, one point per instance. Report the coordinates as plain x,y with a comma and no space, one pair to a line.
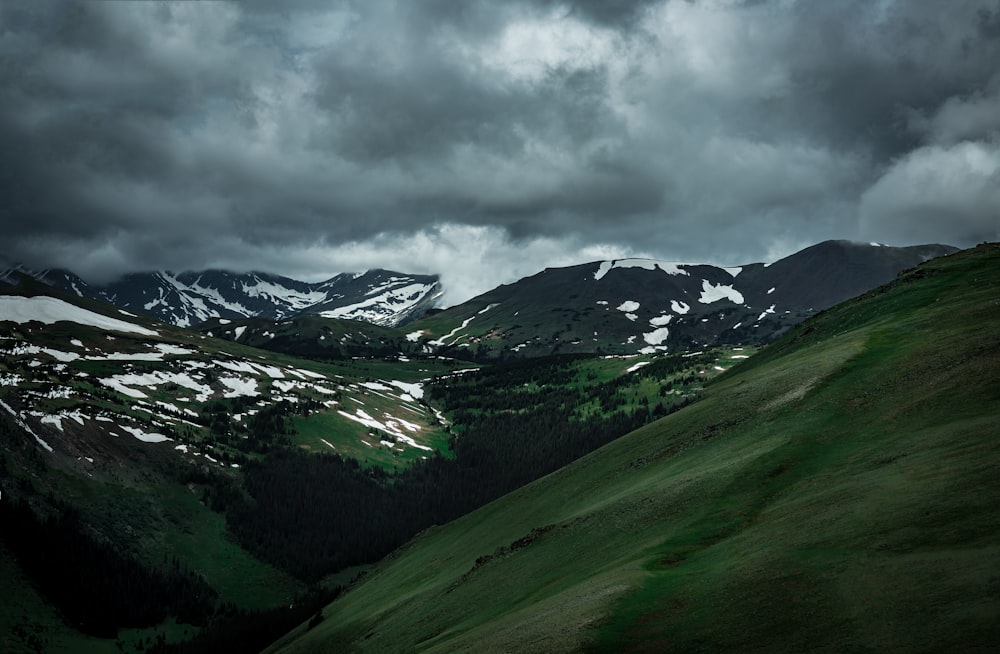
50,310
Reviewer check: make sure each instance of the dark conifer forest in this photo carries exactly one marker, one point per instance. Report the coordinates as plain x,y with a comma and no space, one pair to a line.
512,423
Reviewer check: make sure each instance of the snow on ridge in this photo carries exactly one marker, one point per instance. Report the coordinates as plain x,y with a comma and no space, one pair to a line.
209,293
49,310
669,267
386,285
713,293
294,299
374,310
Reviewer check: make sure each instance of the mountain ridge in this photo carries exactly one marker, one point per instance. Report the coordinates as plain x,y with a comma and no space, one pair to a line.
623,306
381,297
646,306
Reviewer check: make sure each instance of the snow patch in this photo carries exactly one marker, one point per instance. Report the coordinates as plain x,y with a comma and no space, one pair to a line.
144,436
713,293
657,336
239,387
414,390
765,312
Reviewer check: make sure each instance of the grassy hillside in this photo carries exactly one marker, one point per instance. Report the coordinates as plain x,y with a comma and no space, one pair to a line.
836,492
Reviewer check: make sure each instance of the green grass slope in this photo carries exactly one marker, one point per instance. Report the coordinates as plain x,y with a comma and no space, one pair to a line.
837,492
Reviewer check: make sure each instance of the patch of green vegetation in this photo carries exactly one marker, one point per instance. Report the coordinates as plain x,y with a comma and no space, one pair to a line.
198,537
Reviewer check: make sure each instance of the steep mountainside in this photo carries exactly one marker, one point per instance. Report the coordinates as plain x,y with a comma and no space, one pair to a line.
647,306
836,492
377,296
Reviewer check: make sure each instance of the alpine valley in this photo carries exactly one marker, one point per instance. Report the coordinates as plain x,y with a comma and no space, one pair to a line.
625,455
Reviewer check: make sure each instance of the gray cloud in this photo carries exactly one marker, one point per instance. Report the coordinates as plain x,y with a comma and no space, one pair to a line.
309,138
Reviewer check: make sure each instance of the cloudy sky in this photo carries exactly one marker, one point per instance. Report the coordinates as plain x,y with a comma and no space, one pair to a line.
487,140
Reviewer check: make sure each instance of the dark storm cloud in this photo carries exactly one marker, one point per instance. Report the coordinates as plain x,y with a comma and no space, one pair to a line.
192,134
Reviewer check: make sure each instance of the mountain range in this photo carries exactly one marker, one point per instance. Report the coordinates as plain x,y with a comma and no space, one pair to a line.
625,306
379,297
